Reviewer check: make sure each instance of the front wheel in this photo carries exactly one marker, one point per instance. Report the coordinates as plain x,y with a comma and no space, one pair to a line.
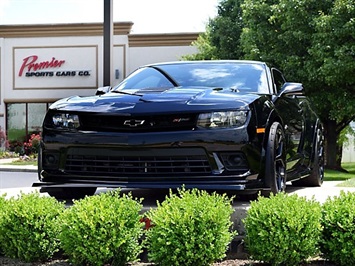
275,161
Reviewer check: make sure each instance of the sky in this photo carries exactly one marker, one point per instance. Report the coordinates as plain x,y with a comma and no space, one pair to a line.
148,16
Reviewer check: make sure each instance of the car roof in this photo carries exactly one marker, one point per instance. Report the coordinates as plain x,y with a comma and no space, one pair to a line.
208,62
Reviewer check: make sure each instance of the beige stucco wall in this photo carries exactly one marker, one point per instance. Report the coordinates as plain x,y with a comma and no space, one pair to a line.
74,43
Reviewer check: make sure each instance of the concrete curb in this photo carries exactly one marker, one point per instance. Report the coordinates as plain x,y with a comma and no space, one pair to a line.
6,166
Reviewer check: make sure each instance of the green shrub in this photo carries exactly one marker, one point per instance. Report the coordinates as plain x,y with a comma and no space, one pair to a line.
2,210
191,228
102,229
338,235
283,229
29,227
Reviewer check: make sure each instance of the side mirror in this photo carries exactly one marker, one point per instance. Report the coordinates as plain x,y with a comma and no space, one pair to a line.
103,90
292,89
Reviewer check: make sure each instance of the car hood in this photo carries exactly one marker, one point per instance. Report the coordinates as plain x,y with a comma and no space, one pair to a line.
177,99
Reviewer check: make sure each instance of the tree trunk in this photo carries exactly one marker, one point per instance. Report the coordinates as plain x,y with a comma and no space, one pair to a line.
332,149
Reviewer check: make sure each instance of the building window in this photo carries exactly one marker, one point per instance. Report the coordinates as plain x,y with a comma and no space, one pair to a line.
24,119
35,114
16,122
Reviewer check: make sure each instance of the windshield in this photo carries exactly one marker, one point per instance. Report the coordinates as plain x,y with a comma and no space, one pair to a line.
246,77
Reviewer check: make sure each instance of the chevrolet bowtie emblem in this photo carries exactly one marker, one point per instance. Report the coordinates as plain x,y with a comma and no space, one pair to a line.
133,123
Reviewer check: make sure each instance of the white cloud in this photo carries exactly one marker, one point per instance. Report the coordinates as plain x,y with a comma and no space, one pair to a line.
165,16
3,5
148,16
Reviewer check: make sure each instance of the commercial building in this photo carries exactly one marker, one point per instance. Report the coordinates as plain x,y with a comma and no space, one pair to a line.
40,64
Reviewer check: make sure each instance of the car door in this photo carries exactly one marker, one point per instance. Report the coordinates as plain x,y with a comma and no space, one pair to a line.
292,115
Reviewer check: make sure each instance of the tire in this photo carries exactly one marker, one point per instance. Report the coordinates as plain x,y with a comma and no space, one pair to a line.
70,193
275,161
315,179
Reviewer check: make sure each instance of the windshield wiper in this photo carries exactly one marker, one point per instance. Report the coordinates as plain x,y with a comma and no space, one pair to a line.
133,94
127,93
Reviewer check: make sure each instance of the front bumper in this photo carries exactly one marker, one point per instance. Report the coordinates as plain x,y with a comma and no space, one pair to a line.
223,159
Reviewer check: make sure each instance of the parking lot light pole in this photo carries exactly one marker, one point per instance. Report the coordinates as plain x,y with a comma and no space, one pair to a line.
108,36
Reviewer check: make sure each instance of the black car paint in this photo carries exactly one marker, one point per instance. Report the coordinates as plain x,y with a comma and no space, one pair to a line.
289,108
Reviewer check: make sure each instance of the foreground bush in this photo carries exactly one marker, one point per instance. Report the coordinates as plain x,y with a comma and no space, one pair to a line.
2,208
102,229
283,229
338,236
29,227
191,228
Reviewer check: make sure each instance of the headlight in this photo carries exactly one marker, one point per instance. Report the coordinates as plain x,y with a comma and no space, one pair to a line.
65,121
222,119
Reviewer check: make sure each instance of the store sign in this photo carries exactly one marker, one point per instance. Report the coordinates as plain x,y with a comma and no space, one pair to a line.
34,68
55,67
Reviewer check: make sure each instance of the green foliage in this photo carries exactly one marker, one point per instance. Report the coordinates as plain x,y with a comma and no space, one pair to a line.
206,51
283,229
221,40
338,236
345,134
8,154
333,46
191,228
333,175
225,30
2,208
29,227
102,229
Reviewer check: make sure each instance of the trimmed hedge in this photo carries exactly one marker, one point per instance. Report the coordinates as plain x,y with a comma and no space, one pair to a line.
3,201
338,236
191,228
102,229
283,229
29,227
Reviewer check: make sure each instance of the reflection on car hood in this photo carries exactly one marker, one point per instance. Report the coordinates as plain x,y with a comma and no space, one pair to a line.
169,100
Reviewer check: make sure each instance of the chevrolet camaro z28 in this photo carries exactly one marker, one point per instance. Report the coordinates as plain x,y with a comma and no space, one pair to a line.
214,125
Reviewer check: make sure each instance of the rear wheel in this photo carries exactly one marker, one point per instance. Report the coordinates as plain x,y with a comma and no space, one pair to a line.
315,179
275,162
69,193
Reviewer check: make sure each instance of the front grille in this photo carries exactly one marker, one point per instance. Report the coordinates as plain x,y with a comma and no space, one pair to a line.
152,163
153,123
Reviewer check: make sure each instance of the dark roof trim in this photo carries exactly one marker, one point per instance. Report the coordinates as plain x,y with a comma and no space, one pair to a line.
163,39
57,30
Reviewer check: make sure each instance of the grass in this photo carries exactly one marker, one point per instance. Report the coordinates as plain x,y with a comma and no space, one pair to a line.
347,178
24,162
347,183
17,159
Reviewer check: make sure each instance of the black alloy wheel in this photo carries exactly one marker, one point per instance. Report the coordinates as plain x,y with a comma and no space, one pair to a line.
275,163
315,179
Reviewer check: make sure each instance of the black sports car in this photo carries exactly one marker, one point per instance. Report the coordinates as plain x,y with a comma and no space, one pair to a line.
219,125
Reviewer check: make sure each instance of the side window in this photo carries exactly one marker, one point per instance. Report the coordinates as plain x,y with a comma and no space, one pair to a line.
279,79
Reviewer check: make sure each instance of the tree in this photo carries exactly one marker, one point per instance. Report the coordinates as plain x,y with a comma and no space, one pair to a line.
313,42
225,30
222,37
206,51
333,54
